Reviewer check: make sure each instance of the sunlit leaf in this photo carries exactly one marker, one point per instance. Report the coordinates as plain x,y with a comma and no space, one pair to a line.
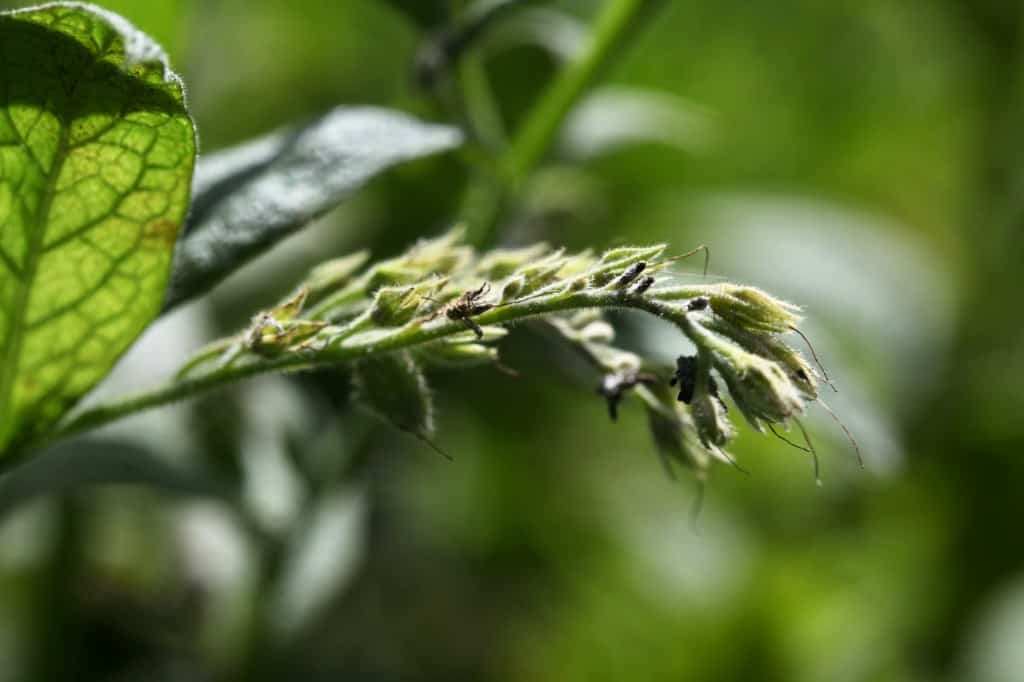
96,156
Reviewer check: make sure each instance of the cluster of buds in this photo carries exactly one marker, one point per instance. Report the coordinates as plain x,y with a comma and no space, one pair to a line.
440,304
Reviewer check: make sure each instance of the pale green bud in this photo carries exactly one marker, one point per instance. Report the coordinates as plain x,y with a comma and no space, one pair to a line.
328,277
393,387
395,306
500,263
616,261
752,309
458,355
760,388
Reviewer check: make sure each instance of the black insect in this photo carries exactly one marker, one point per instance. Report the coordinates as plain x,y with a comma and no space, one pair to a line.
630,274
613,386
699,303
467,306
686,377
643,285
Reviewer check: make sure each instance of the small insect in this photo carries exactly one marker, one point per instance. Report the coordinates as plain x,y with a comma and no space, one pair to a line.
699,303
630,274
464,308
642,286
686,377
613,386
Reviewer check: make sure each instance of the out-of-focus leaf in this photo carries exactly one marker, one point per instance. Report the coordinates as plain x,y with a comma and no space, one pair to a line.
426,14
250,197
75,464
323,559
615,117
96,157
560,34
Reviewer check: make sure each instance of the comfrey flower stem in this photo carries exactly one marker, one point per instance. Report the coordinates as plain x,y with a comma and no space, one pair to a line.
339,349
612,28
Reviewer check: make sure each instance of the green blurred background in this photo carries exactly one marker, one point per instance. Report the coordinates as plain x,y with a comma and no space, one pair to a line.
864,158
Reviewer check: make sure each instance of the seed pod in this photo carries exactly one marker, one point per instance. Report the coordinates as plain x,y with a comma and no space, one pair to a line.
394,388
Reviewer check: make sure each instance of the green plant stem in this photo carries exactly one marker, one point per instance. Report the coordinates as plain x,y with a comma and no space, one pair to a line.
348,348
614,24
545,119
481,108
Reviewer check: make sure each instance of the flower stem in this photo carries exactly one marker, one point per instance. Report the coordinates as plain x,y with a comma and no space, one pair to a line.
351,348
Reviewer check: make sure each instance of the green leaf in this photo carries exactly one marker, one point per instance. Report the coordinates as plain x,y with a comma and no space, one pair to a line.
393,386
96,156
76,464
250,197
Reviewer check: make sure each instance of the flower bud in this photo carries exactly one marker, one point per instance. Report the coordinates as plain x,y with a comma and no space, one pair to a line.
618,261
290,308
760,388
672,430
395,306
458,355
512,289
500,263
328,277
751,309
393,387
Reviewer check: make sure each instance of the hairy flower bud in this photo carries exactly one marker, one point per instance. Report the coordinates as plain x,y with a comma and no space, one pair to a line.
395,306
501,263
752,309
760,388
328,277
393,386
457,355
617,261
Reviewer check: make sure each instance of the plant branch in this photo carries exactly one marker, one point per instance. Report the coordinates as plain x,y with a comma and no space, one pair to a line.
349,348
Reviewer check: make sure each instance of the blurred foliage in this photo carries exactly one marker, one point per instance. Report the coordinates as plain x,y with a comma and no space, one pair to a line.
860,156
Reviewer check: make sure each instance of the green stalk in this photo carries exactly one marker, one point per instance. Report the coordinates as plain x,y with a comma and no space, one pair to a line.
349,348
609,36
546,118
